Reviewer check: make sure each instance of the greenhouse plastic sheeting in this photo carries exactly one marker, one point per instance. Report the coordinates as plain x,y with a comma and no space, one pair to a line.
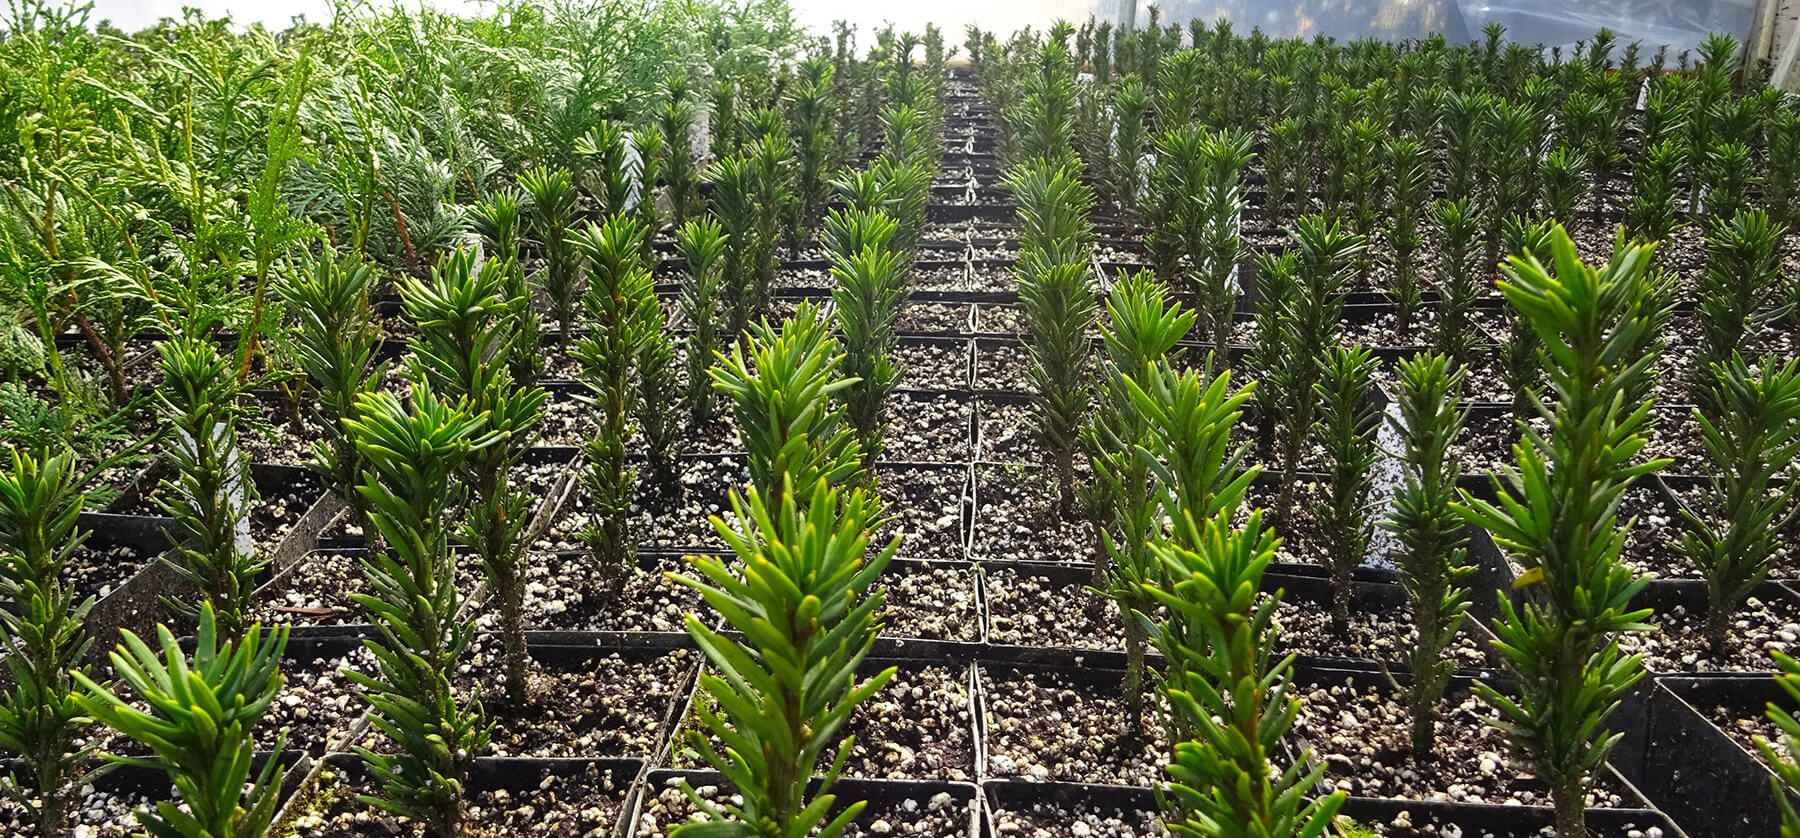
1679,24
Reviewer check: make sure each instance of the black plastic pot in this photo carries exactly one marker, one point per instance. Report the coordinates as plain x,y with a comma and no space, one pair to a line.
1707,782
136,603
1496,819
522,777
879,794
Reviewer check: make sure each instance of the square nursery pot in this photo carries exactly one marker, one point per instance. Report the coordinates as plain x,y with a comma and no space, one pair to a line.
313,594
1689,746
1677,646
1431,817
597,695
523,797
952,810
118,564
920,727
1047,717
1016,807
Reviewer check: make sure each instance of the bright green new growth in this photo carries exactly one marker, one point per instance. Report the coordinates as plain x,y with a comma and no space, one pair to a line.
1556,516
798,593
553,205
618,290
1432,543
1141,326
41,498
1056,293
415,455
211,493
1348,421
1750,428
465,347
1234,700
870,290
701,244
785,388
201,713
1196,473
1786,760
334,344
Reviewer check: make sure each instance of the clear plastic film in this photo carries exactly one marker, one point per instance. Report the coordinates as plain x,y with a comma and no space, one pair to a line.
1678,24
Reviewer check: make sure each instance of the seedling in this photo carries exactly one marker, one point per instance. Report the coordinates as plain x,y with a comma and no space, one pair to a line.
675,121
1348,420
211,492
701,243
201,711
1556,516
1750,427
1563,184
1056,292
620,287
464,348
798,593
1652,212
870,291
734,204
785,389
1409,175
1326,255
1743,276
1130,104
414,453
1785,760
1232,701
1458,281
1141,327
42,634
1432,544
553,200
